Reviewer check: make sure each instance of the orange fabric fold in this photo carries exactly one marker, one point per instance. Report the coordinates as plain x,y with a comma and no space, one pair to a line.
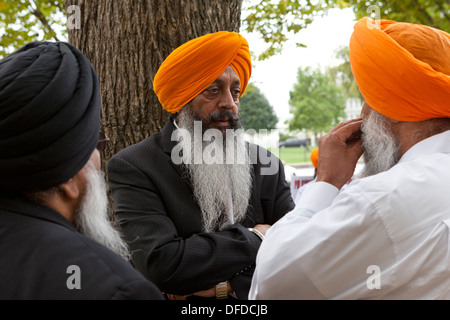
402,69
193,66
315,157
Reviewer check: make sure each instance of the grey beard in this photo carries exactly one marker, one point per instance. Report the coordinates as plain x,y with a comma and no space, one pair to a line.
218,187
92,217
381,150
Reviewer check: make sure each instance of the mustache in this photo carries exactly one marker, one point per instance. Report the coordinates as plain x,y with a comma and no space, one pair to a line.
226,115
235,121
223,115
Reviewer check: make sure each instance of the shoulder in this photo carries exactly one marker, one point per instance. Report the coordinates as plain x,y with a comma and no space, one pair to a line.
141,156
400,182
103,273
106,274
149,150
408,198
144,147
55,261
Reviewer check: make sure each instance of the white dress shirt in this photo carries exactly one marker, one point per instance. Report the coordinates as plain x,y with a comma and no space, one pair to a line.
383,237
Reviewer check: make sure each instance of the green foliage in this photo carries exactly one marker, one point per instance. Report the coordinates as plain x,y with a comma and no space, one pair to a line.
317,103
256,111
434,13
274,20
277,20
23,21
342,74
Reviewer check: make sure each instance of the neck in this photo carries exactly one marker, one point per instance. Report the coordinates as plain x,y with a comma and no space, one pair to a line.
411,133
60,206
55,199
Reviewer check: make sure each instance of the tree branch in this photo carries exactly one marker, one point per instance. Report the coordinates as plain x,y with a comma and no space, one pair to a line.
41,17
443,11
425,13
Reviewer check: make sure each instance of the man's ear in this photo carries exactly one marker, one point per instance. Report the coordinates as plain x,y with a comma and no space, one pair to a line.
68,197
71,188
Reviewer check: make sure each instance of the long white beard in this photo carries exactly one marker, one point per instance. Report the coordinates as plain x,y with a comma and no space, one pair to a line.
92,218
218,186
381,151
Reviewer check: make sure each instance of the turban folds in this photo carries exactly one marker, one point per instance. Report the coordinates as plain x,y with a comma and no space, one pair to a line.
402,69
193,66
49,116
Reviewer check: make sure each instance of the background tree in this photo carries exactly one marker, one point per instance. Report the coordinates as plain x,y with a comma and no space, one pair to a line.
274,20
256,111
317,103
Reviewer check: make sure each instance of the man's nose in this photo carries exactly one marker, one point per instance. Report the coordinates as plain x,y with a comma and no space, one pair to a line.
228,102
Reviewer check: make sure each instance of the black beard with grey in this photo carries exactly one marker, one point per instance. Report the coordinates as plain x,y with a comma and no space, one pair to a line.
218,186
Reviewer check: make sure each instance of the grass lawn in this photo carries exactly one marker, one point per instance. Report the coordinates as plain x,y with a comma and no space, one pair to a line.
294,155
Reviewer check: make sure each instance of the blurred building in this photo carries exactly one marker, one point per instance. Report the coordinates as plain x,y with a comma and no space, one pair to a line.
353,108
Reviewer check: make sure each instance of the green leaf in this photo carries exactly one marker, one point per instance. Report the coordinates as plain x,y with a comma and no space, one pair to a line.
24,21
255,110
316,101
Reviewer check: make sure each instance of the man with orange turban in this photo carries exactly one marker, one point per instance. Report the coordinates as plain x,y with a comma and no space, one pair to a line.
195,200
385,235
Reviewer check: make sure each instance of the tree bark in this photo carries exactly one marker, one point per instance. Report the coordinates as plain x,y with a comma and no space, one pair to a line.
126,41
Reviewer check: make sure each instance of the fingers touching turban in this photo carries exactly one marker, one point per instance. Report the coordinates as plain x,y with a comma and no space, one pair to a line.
402,69
49,116
193,66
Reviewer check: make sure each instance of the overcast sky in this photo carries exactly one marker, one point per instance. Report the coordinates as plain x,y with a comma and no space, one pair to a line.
277,75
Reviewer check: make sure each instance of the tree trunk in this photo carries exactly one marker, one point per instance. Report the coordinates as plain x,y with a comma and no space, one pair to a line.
126,41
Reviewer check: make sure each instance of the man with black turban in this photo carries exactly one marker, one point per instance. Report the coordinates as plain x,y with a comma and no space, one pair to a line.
56,241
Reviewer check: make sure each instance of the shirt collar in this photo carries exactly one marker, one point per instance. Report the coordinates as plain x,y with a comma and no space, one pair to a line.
439,143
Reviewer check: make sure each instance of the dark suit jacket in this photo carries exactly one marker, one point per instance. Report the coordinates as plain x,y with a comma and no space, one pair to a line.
37,247
156,209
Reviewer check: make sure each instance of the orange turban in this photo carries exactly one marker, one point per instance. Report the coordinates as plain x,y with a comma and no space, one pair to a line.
402,69
315,157
193,66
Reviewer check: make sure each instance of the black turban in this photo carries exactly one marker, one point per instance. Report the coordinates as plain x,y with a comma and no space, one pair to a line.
49,116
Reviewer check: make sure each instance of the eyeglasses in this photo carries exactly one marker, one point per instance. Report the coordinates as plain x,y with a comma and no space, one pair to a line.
102,141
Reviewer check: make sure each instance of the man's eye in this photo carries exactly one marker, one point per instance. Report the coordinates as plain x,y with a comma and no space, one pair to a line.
212,90
236,92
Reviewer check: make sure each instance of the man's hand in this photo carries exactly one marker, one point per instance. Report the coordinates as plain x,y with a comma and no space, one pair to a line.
177,297
210,293
339,151
262,228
